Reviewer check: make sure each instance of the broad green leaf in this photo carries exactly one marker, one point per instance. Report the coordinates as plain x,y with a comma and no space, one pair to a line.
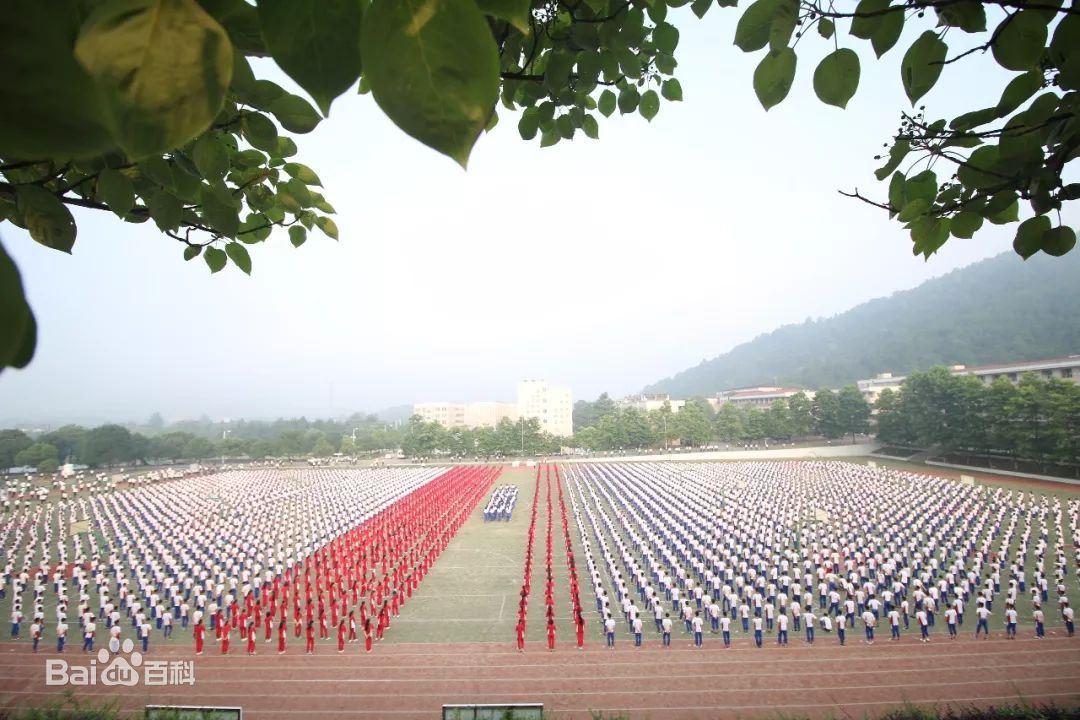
295,113
897,153
826,28
969,16
191,252
1029,236
116,191
628,100
316,43
161,67
897,195
434,70
922,65
239,255
783,26
1058,241
297,235
913,210
1017,92
285,147
46,218
261,132
700,7
966,223
607,103
557,72
666,38
303,173
868,18
529,123
18,330
649,105
215,259
515,12
328,226
59,114
752,32
884,39
241,21
773,77
210,157
254,229
837,77
924,186
1020,40
1065,43
220,215
590,127
565,127
166,210
929,233
973,119
980,169
629,63
671,90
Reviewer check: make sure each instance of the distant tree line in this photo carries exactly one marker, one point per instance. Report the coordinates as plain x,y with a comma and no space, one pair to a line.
194,441
1036,419
506,439
604,425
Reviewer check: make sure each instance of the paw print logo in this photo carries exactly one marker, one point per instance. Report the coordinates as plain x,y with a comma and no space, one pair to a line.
121,671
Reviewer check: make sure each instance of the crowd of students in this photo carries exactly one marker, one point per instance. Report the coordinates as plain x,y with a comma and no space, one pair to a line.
501,504
242,551
803,547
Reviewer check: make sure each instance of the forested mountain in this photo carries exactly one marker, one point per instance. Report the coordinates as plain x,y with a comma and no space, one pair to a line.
996,310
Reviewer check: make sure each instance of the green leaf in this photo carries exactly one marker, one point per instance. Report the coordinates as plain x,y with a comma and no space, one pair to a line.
980,169
215,259
46,218
607,103
649,105
1003,208
297,235
755,25
590,127
897,194
628,100
116,191
966,223
59,113
1029,236
161,67
886,36
295,113
166,210
773,77
826,28
1066,40
897,153
1058,241
557,72
529,123
969,16
973,119
316,43
700,7
239,255
922,65
192,251
866,23
18,331
303,173
328,226
1018,91
241,21
913,210
666,38
260,131
1020,40
923,186
837,77
671,90
210,157
515,12
929,233
783,25
222,216
433,69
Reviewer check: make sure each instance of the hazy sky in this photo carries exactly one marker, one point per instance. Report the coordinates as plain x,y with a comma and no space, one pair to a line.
601,265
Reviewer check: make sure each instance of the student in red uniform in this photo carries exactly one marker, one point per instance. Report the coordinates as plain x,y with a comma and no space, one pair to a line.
520,630
226,632
579,622
200,635
251,637
282,633
352,626
341,636
367,635
551,634
310,646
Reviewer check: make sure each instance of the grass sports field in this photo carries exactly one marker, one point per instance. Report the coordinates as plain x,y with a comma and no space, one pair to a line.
454,643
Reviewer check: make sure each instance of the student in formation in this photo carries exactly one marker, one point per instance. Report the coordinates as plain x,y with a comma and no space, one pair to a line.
809,618
579,627
341,633
781,630
1039,618
519,632
35,634
982,612
698,625
282,635
309,646
894,624
144,635
868,626
251,632
367,635
551,634
924,625
1067,614
226,634
89,630
637,632
200,636
757,631
61,635
1011,617
725,630
666,628
841,628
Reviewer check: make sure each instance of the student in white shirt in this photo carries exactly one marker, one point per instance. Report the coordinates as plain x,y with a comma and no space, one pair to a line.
781,630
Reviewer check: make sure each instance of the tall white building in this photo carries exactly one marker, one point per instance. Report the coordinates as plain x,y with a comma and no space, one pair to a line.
552,405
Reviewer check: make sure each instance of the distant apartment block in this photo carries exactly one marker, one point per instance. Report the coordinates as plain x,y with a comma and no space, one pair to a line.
489,414
755,397
449,415
1062,368
552,405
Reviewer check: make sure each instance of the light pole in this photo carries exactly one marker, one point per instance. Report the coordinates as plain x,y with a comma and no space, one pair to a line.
523,437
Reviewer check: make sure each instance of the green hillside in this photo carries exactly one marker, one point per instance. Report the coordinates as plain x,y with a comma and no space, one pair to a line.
1000,309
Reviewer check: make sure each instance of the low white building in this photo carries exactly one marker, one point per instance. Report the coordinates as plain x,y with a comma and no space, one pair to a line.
647,402
756,397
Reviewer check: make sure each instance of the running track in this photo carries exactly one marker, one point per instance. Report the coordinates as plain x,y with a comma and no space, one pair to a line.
408,681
